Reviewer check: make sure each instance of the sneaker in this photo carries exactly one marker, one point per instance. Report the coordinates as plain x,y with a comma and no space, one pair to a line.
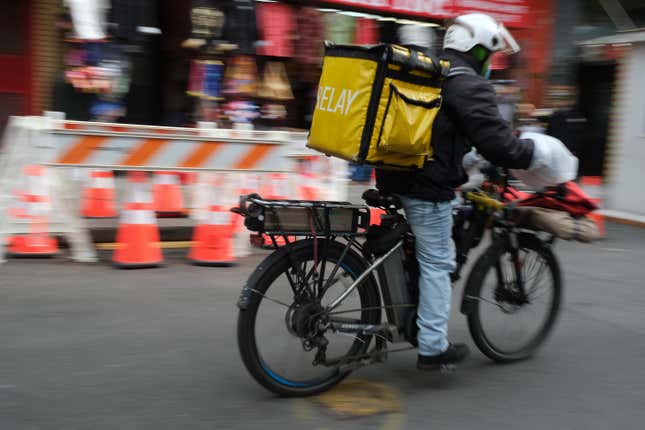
455,353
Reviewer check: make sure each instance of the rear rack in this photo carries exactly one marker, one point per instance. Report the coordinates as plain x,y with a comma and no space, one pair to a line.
303,217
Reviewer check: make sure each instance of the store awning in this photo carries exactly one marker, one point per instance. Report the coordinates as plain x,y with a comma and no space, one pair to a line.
513,13
632,36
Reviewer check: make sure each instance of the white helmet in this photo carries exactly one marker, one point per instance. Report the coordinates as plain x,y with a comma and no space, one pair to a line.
473,29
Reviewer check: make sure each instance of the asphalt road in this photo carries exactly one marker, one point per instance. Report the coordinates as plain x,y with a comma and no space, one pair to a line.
91,347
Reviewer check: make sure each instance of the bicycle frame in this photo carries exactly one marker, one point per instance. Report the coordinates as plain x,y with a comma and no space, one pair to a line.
478,203
370,270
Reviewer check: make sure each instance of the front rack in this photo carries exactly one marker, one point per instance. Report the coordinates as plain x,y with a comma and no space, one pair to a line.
303,217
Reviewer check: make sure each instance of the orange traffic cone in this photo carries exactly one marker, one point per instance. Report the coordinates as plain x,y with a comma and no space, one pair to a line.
213,239
138,235
37,243
167,197
98,198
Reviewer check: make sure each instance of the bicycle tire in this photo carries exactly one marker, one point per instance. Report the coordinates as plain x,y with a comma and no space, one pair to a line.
262,279
488,261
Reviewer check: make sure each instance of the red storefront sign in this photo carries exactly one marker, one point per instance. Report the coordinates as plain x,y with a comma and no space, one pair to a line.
513,13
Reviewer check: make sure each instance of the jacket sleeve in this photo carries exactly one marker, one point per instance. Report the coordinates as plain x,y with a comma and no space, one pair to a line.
471,102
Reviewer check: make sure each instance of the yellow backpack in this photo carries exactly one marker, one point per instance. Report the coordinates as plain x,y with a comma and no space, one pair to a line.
376,105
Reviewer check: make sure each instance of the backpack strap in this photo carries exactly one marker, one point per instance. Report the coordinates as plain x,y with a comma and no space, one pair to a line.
461,70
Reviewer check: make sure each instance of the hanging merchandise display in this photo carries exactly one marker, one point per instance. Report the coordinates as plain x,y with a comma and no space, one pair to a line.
196,77
241,111
89,18
132,20
275,83
273,112
207,24
240,27
111,105
240,85
275,88
95,66
276,24
241,77
205,79
366,32
310,29
339,28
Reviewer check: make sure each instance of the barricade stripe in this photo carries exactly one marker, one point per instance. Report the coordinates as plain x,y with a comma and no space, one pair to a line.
201,154
254,156
81,150
144,152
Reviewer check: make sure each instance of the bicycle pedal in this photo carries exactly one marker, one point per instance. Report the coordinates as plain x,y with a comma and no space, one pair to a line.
447,369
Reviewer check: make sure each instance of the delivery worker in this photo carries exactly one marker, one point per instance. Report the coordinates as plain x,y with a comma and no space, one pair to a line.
468,118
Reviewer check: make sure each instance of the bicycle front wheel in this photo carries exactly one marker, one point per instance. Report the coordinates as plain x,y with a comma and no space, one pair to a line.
505,324
272,331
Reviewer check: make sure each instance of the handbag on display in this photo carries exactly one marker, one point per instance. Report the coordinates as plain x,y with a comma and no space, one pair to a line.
205,79
241,77
275,83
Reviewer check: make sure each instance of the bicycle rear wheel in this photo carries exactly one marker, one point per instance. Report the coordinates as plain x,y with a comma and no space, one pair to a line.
503,325
271,328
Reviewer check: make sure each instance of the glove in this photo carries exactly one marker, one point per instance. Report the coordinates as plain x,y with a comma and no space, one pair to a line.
552,163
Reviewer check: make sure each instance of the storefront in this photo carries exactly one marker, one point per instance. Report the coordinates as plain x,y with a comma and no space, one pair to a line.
179,62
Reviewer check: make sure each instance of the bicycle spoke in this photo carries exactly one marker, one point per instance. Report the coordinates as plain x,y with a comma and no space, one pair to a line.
264,296
542,267
490,302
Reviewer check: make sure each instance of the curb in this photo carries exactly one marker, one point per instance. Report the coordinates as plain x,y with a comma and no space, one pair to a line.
624,218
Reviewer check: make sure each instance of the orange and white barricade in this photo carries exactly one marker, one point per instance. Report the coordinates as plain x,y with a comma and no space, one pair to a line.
53,142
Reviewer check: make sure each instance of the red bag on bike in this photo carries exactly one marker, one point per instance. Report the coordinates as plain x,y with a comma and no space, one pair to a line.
568,197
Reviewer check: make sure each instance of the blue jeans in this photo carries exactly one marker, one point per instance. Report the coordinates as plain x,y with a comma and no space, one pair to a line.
431,223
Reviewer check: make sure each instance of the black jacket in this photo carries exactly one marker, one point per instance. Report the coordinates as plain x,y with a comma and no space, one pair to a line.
468,117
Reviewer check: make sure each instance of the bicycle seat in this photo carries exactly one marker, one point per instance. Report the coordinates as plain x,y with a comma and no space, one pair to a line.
375,199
